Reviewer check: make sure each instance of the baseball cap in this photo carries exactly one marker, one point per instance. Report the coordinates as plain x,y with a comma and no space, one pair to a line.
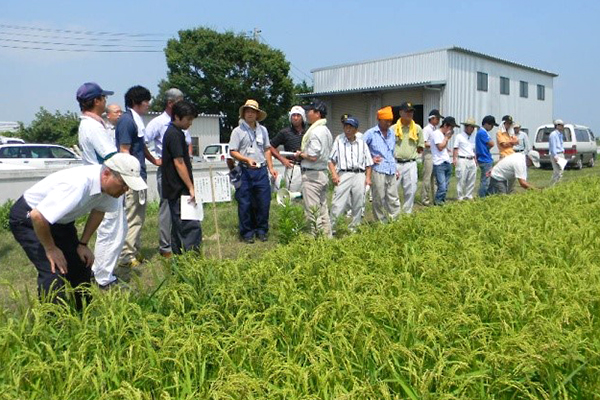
507,118
351,121
91,90
319,106
406,106
534,156
489,119
435,113
129,168
450,121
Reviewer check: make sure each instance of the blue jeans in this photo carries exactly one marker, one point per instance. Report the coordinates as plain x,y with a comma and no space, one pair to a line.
254,201
485,180
442,173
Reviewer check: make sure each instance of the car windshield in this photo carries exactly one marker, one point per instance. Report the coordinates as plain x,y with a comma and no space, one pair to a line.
543,135
211,150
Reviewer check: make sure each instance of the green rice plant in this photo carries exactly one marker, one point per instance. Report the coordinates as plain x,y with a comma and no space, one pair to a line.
290,222
4,213
491,299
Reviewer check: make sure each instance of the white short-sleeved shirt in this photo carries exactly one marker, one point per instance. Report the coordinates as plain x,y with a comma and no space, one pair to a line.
438,156
465,144
95,141
155,132
64,196
513,166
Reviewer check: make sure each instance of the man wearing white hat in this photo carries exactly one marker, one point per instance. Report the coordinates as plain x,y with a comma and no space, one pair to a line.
510,168
43,219
557,150
464,160
291,139
249,144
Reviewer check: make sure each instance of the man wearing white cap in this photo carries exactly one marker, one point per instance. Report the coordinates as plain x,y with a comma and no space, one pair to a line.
97,144
557,150
523,146
43,219
291,139
511,167
464,160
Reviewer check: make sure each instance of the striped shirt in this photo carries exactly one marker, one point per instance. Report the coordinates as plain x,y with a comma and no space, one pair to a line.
382,147
347,155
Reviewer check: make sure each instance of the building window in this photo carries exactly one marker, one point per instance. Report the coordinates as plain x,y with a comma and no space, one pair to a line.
524,89
482,81
541,92
504,85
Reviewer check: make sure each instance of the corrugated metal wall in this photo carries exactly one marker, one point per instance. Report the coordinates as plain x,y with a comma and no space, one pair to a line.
463,100
403,70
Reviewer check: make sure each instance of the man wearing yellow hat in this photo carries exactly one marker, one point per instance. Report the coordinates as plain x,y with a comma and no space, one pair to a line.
249,144
409,146
381,141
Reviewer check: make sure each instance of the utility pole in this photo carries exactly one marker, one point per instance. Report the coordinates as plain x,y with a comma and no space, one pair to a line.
255,34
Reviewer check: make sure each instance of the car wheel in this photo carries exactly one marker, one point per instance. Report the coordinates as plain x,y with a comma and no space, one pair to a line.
592,162
579,163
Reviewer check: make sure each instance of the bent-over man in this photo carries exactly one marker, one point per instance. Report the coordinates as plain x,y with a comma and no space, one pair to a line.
510,168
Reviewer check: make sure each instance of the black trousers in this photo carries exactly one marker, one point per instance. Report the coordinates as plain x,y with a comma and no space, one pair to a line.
185,235
50,285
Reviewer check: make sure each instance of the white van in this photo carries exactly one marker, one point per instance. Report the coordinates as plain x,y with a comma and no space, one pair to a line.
216,152
579,143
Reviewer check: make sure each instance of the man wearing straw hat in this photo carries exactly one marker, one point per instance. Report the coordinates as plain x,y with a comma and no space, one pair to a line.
291,139
464,160
249,144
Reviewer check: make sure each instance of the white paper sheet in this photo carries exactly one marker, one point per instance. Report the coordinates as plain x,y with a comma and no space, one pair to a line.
191,211
562,163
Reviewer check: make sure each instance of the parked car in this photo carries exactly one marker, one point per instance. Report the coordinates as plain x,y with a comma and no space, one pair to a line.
38,155
10,140
579,143
216,152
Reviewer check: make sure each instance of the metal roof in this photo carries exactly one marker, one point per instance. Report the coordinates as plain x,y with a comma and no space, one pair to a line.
451,48
199,115
374,88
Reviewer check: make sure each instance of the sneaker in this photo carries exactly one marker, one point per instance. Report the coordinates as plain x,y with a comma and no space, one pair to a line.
166,254
131,264
262,237
248,240
114,285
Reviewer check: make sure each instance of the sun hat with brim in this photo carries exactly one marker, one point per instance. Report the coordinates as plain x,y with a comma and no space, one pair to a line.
128,167
534,156
470,122
253,104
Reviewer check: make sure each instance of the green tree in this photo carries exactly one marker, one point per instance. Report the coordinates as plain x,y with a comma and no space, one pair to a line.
219,71
57,128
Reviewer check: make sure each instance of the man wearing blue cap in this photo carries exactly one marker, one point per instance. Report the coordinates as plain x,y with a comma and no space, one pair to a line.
96,144
350,166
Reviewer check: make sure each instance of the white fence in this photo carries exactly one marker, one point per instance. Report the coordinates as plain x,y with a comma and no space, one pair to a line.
14,183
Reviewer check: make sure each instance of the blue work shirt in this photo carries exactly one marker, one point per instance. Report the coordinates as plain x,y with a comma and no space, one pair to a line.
126,133
481,148
555,143
383,147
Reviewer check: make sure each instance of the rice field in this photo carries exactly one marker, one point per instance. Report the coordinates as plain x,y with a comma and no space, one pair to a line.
493,299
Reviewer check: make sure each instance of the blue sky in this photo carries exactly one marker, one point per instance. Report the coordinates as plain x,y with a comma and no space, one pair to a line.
560,37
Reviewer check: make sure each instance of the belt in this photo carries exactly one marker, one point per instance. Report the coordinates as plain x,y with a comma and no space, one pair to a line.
466,158
519,151
310,169
258,165
400,161
352,170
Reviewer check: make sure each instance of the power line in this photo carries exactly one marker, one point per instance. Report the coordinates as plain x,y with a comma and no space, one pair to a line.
84,50
78,44
94,39
293,66
30,28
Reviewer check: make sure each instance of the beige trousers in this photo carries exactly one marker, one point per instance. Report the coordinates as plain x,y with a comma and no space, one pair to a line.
314,195
386,204
136,215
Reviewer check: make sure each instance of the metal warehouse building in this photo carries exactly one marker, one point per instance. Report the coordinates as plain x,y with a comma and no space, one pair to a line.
457,81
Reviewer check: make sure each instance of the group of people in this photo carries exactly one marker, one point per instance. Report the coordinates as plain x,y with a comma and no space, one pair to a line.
383,159
111,189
